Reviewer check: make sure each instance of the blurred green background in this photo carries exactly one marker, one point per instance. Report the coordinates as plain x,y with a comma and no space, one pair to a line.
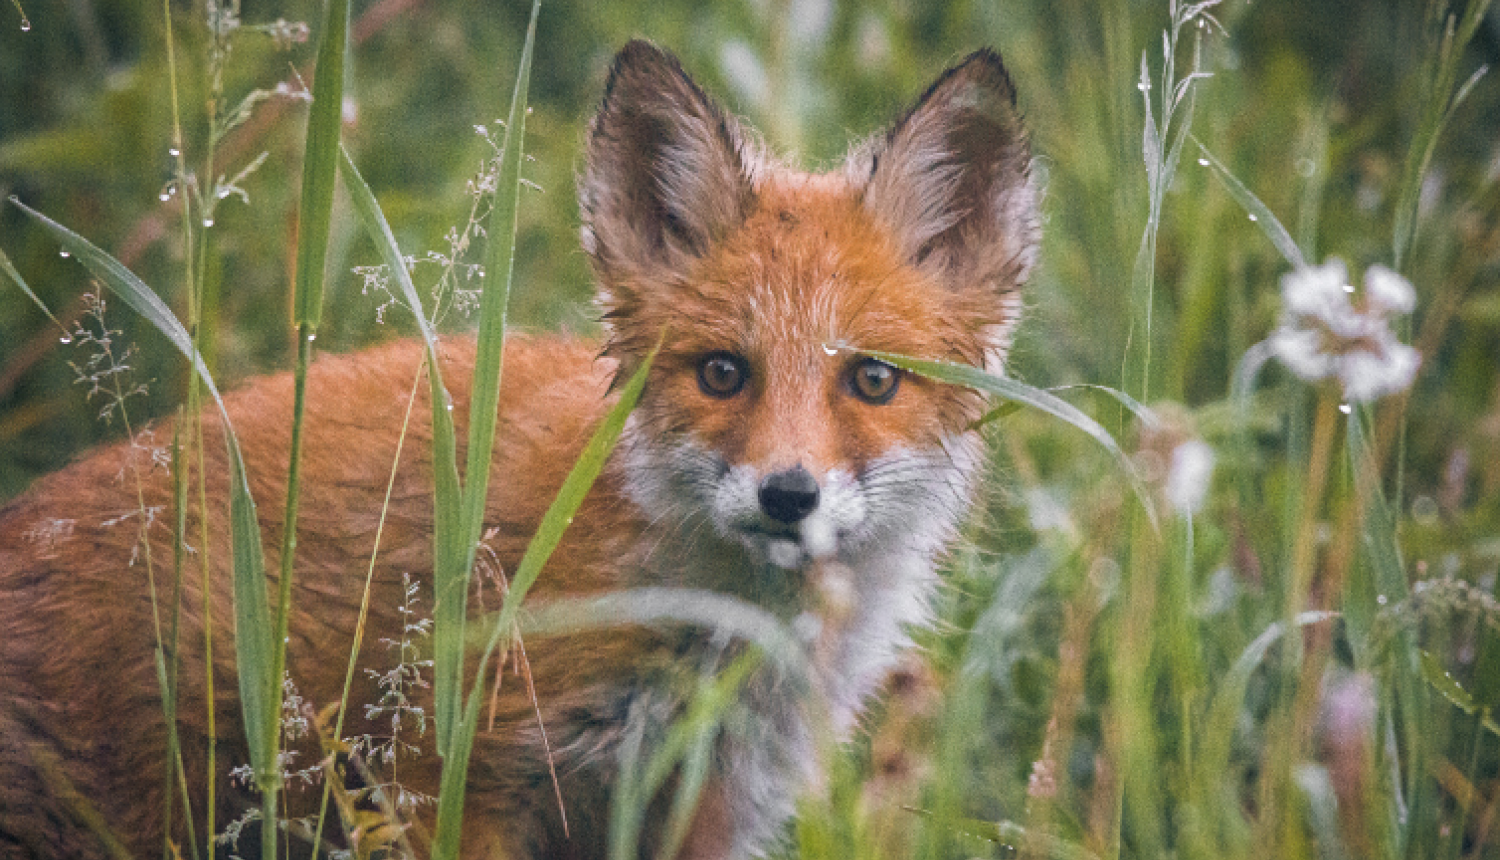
85,130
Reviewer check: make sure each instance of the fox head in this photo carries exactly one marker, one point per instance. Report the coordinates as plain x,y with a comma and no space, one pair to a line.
762,417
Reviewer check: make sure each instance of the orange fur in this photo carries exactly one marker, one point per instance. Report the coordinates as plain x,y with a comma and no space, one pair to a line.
819,503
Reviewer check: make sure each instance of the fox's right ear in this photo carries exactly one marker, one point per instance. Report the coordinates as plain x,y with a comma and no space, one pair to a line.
667,173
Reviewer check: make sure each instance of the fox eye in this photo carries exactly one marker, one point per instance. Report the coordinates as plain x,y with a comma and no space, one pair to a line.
874,381
722,374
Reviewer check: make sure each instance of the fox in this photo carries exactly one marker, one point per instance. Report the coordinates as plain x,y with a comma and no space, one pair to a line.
770,459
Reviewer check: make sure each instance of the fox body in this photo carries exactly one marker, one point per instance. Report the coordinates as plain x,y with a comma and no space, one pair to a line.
769,460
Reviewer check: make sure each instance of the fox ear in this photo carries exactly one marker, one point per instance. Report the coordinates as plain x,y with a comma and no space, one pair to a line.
666,172
952,180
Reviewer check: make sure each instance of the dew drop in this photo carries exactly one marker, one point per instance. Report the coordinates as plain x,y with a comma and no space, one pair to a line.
830,350
25,24
65,340
1380,599
1203,161
312,337
208,222
1142,87
64,254
528,110
164,196
222,193
450,407
1346,408
174,152
1349,288
1253,218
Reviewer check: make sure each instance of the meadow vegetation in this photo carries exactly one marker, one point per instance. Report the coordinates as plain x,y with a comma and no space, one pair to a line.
1259,621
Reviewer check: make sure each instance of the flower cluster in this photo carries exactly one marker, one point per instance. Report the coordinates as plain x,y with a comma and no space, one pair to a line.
1324,333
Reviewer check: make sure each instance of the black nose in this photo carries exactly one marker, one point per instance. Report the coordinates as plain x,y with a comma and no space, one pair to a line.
790,495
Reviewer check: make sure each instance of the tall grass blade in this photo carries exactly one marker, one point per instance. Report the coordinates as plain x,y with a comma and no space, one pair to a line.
10,270
1223,714
548,534
446,487
319,174
688,746
320,164
1020,392
253,646
1437,110
1259,212
449,615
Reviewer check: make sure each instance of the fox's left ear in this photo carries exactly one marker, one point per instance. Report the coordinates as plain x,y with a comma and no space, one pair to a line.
952,181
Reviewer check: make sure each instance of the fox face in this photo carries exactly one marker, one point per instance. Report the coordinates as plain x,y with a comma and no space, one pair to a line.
765,430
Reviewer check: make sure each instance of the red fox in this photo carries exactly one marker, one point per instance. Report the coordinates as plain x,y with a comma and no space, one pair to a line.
769,459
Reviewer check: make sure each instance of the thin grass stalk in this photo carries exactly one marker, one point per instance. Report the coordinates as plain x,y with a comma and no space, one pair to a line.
319,174
364,603
193,280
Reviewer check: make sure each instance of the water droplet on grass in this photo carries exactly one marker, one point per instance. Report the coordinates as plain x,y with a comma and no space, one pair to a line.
1253,218
25,24
1346,408
64,254
65,340
174,152
1203,161
208,222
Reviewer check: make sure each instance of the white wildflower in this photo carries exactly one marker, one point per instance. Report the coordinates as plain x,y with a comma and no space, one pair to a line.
1188,476
1323,333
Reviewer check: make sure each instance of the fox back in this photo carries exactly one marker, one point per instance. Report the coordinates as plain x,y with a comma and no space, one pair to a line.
770,459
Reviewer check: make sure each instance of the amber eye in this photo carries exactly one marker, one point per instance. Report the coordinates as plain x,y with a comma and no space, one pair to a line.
722,374
874,381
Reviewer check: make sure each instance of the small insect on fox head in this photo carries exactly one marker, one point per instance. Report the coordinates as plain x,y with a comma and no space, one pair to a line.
764,417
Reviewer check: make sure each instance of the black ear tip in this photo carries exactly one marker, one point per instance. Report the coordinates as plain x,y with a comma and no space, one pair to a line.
985,66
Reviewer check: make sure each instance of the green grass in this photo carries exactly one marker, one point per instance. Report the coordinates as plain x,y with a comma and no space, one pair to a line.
1306,665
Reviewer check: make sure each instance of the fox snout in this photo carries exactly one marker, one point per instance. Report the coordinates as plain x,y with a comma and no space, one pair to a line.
789,496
